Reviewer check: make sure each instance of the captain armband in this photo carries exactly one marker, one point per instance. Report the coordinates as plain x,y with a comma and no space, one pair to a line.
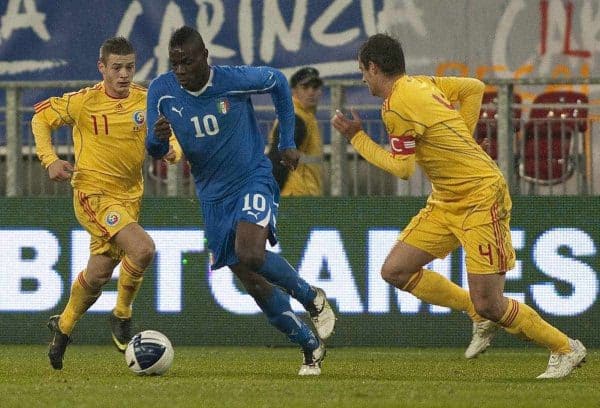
404,144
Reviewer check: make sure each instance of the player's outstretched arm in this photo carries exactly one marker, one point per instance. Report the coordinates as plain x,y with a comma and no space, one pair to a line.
281,95
159,129
51,114
399,165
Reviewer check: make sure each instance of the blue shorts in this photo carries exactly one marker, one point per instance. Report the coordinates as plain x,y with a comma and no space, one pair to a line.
256,203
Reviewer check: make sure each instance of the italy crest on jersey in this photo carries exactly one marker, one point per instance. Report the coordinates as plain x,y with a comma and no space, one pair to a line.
223,106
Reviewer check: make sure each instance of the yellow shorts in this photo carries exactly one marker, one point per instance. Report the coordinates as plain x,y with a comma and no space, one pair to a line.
481,226
103,217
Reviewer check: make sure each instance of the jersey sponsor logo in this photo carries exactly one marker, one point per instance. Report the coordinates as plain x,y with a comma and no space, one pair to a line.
139,117
223,106
404,144
113,218
119,107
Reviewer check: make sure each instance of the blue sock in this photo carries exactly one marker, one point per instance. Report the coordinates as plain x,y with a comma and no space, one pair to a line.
280,314
279,272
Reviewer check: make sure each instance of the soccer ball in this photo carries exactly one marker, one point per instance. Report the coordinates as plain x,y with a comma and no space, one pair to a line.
149,353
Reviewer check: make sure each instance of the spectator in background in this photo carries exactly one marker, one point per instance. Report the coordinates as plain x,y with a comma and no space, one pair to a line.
470,204
109,129
307,179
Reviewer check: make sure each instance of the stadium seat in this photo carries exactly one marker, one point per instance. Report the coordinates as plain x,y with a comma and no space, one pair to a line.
159,168
487,126
548,149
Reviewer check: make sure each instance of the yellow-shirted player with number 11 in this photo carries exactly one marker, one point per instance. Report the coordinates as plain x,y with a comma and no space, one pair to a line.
469,205
109,131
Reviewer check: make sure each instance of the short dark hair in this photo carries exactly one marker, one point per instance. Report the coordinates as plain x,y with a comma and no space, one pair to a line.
306,76
385,52
184,35
116,46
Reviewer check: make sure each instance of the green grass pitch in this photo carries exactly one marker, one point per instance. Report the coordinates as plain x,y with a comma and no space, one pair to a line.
96,376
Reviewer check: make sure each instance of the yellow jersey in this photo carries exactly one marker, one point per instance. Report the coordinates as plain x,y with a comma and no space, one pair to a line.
306,180
423,125
108,138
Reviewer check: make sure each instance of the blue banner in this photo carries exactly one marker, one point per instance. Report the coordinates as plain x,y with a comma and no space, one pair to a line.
46,40
42,40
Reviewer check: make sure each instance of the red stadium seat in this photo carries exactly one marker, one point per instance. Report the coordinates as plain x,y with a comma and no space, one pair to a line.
550,135
487,126
159,168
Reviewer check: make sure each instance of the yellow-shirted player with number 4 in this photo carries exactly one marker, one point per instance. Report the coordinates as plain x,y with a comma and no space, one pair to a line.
109,131
469,205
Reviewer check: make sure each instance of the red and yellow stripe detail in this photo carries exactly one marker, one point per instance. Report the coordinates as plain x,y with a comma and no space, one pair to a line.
84,201
414,281
511,313
40,106
130,268
499,238
83,282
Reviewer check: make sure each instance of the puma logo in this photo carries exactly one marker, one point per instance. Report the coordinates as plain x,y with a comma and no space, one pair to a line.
174,109
252,213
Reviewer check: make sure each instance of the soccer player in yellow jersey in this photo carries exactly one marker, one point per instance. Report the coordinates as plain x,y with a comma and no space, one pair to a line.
109,131
469,204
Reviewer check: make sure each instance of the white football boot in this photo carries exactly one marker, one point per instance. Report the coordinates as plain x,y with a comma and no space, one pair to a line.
483,333
312,360
321,315
561,365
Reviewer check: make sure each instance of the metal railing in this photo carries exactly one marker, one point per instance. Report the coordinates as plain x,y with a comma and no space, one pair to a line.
345,172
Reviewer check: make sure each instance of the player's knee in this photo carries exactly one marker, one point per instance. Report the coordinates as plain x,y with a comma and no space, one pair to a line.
394,276
251,259
147,252
144,253
387,274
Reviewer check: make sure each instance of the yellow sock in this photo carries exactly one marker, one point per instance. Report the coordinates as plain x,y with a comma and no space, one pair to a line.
436,289
521,320
130,280
82,297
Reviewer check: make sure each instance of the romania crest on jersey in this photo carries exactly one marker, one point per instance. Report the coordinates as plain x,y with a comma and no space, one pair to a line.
139,117
112,218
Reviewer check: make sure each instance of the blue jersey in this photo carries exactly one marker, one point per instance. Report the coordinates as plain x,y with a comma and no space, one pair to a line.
216,127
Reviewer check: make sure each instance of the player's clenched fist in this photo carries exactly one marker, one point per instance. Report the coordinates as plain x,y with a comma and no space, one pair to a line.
346,126
290,158
162,129
60,170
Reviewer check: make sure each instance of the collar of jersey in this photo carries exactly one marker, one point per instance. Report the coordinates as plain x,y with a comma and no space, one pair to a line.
201,91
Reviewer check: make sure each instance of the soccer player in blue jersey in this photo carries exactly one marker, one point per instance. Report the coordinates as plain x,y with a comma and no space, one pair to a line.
210,110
